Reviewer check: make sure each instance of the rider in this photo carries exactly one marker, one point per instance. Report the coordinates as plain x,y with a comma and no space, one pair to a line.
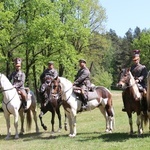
82,80
18,79
46,77
139,72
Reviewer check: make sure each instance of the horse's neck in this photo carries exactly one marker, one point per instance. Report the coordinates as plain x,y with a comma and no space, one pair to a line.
66,86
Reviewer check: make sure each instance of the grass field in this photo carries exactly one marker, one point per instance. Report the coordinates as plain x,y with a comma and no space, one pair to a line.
90,133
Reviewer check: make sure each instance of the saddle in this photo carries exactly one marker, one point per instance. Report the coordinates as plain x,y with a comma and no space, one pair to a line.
23,95
91,94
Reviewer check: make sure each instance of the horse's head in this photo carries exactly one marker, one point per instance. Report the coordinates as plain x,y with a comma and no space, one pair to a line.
124,78
127,80
54,89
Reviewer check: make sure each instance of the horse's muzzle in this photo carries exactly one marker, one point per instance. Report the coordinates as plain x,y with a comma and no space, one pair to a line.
120,86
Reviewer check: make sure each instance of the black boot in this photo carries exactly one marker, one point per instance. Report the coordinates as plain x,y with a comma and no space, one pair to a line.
84,101
25,106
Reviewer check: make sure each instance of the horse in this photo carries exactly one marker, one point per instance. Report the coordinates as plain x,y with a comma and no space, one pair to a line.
148,97
52,104
72,104
133,100
12,104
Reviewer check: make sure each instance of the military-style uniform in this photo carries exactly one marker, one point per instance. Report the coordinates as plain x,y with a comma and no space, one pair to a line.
46,78
82,80
139,72
17,78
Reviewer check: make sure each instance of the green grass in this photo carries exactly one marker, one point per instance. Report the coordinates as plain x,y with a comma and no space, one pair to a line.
90,133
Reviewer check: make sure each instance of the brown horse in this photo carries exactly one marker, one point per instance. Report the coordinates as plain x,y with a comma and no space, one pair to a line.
133,99
100,98
148,97
52,104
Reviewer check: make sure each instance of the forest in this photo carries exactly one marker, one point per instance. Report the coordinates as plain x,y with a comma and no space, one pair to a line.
65,31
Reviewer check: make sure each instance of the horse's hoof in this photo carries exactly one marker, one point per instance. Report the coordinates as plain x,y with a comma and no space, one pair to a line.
72,135
45,127
21,133
16,137
7,138
59,130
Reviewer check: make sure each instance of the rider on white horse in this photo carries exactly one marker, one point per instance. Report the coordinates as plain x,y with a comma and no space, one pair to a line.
46,77
82,80
18,79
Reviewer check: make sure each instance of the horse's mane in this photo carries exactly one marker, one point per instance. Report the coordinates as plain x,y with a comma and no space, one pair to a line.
148,90
135,87
66,85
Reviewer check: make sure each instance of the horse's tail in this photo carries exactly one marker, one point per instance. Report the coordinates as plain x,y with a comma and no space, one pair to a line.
148,90
29,119
145,118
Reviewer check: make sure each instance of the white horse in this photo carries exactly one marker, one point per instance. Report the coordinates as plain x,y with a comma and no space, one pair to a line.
72,105
12,104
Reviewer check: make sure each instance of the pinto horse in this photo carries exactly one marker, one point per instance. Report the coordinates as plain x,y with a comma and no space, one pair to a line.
133,100
12,104
72,105
52,104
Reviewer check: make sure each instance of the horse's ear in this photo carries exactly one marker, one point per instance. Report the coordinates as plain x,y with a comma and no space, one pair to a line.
128,69
56,78
119,69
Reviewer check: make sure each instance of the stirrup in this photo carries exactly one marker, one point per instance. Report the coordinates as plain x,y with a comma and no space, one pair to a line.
84,106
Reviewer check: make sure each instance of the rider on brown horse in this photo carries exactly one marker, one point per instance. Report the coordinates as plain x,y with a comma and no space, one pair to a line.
139,72
82,80
18,79
49,74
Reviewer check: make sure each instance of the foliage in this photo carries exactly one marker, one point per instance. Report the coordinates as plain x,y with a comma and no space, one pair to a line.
102,78
143,44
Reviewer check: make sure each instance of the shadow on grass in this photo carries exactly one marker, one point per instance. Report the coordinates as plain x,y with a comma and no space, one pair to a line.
80,137
112,137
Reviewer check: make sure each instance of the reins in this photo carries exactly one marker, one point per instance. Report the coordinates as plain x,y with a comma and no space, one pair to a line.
1,91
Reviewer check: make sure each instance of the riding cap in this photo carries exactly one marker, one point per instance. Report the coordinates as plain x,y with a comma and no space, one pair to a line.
82,61
50,63
136,54
18,62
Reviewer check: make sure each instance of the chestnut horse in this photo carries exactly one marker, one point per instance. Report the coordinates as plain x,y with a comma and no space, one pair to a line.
133,99
102,99
52,104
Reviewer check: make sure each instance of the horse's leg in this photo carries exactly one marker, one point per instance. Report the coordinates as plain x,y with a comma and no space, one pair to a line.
7,117
34,112
102,109
69,116
22,116
110,115
130,123
40,116
72,123
138,122
53,121
59,118
65,123
16,115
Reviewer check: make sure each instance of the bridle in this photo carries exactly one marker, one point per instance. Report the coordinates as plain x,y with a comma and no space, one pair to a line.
1,91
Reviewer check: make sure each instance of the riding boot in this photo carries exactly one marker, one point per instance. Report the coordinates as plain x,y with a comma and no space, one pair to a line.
25,105
84,101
